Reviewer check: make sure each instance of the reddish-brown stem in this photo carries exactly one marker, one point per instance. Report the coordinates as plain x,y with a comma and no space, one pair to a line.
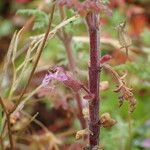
92,20
71,59
67,41
72,68
80,115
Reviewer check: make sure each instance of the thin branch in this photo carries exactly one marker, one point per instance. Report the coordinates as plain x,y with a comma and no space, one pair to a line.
36,121
39,54
8,59
67,41
29,95
9,132
8,123
1,143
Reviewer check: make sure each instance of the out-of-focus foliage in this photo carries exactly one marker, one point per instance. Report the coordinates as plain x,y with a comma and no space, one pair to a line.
5,27
41,17
58,120
145,36
139,69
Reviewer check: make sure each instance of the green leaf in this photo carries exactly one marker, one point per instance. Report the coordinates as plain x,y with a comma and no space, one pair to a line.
41,17
140,69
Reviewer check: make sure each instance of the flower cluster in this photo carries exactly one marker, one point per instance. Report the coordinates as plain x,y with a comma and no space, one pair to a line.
67,78
83,8
59,75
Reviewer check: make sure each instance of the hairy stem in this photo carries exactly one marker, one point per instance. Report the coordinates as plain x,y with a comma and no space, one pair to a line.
92,20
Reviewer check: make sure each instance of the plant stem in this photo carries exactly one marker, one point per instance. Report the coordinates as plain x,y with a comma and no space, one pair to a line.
72,66
8,124
92,20
80,108
1,143
67,42
9,131
68,47
129,142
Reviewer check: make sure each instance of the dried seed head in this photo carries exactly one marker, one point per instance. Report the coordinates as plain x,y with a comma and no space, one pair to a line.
125,93
89,96
85,112
106,120
97,147
80,134
124,39
104,85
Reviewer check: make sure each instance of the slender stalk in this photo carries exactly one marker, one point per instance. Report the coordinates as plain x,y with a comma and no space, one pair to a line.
39,54
1,143
9,132
8,124
71,59
130,136
72,66
67,41
80,114
92,20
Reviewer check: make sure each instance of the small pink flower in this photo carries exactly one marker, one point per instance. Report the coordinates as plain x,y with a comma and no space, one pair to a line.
46,79
67,78
58,75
